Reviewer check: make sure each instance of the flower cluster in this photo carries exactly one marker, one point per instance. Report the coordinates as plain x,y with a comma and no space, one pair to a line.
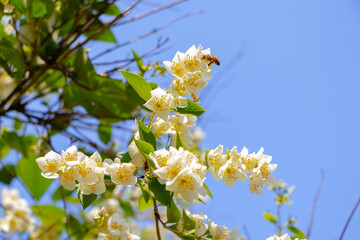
73,166
217,231
17,213
113,227
283,237
234,166
191,71
181,172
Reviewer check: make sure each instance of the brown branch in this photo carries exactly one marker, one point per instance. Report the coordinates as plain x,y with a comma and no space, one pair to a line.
349,219
313,208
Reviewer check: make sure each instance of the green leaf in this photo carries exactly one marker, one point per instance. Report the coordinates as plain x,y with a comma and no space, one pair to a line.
7,173
173,213
179,142
269,217
113,10
127,209
298,233
139,84
139,63
75,228
38,9
159,191
104,131
188,223
125,157
17,124
144,189
192,108
146,135
86,200
13,56
145,149
142,204
19,5
100,96
29,172
207,190
49,212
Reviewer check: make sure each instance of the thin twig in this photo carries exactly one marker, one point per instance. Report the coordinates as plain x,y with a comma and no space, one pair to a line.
349,219
149,33
152,11
313,208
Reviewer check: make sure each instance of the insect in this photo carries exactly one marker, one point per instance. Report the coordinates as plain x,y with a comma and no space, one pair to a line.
210,59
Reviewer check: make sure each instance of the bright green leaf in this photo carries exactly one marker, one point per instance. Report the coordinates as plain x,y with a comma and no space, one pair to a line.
38,9
142,204
179,142
144,189
192,108
188,223
269,217
139,84
159,191
207,190
146,135
173,213
298,233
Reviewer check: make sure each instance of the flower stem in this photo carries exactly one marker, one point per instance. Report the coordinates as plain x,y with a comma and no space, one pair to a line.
151,120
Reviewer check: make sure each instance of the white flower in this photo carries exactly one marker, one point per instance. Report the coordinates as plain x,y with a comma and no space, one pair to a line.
179,87
186,184
112,206
117,226
256,185
216,159
251,161
199,219
136,157
50,164
96,188
160,127
110,165
179,102
191,60
86,168
283,237
265,170
160,103
197,135
174,165
68,178
174,67
182,123
160,157
221,232
71,156
123,174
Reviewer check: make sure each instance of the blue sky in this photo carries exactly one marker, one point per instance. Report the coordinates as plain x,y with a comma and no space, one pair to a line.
294,92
